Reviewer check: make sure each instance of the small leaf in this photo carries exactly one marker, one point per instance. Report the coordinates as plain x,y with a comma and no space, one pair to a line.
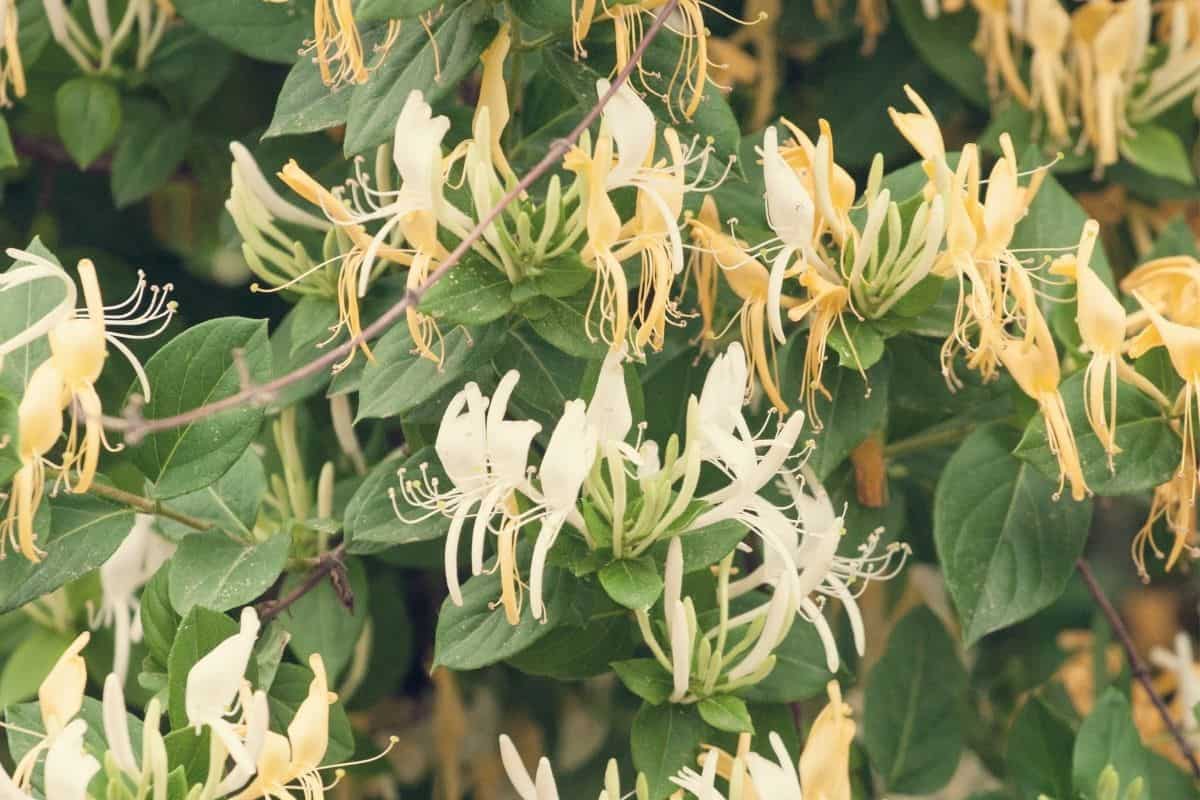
632,582
195,368
914,707
571,653
1007,547
151,147
320,623
231,503
1036,743
1107,736
726,713
862,349
561,276
88,113
1159,152
371,522
209,569
646,678
563,322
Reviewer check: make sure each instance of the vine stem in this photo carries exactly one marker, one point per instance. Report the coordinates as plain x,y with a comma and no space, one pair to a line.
147,506
325,566
134,428
1136,665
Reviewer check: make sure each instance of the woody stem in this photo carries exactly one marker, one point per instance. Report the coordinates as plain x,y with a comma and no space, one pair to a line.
1136,665
147,506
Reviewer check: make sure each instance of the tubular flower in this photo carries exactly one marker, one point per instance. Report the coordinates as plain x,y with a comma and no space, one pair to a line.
1101,320
1032,360
994,43
717,253
1180,663
96,52
825,762
153,758
79,342
830,186
410,212
140,555
1049,28
1171,285
337,46
12,72
824,308
60,697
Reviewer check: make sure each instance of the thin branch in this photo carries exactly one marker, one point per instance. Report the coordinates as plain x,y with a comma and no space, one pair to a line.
1136,665
148,506
134,427
326,565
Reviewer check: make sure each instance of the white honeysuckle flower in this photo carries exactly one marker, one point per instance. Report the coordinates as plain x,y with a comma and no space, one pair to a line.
748,469
539,787
215,681
257,718
127,570
720,412
1182,662
780,612
69,768
679,632
569,456
32,267
791,214
10,790
485,457
632,126
702,784
608,412
116,726
777,779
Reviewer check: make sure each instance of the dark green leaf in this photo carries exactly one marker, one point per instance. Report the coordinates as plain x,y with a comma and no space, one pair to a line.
371,523
320,623
10,442
89,115
1108,736
267,31
914,707
209,569
632,582
1037,742
944,43
20,307
195,368
726,713
646,678
200,631
800,669
1159,152
571,653
665,739
563,322
231,503
151,147
473,293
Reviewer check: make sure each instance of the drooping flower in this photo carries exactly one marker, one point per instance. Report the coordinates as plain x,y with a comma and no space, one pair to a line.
69,768
825,762
1048,29
60,696
153,758
140,555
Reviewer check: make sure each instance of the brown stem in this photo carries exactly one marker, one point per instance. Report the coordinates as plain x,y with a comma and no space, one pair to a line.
148,506
134,427
1136,665
326,565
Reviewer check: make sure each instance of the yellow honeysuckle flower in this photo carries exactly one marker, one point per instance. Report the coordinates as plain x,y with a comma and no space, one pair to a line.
1112,52
830,186
39,426
825,762
1048,29
60,696
826,303
493,97
1171,285
1173,501
1032,360
12,71
717,253
994,45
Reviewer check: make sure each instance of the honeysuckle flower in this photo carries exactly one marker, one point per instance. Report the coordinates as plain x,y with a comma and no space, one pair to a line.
1173,501
702,784
60,696
1112,52
717,253
294,759
27,270
1180,662
96,52
994,43
1048,31
831,186
540,786
922,131
39,426
69,768
12,71
213,683
824,308
825,761
139,556
792,216
153,768
1171,285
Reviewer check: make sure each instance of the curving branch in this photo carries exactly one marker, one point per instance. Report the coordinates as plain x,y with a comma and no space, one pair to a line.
134,427
1136,665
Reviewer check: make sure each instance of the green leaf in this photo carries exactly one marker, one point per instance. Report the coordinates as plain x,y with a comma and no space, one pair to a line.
78,533
1036,744
189,751
1006,546
209,569
151,147
189,67
855,411
1150,449
415,62
231,503
563,323
726,713
863,348
1108,736
399,380
1158,151
665,739
549,377
383,10
561,276
8,154
944,43
20,307
160,622
646,678
914,707
475,634
198,367
320,623
88,112
10,460
297,340
632,582
266,31
199,632
288,691
371,523
473,293
31,661
571,653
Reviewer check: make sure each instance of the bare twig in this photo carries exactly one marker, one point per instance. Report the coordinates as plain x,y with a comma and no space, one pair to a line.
1136,665
329,564
134,429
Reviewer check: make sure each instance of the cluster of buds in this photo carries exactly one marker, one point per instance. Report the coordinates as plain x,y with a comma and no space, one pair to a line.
78,341
95,52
